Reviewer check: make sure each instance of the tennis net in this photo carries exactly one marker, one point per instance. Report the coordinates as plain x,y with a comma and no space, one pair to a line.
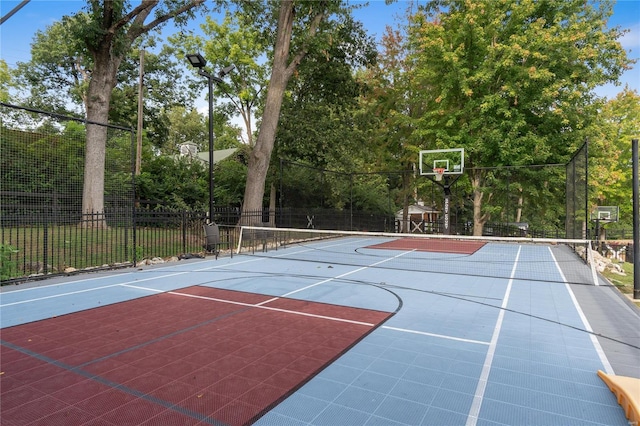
539,259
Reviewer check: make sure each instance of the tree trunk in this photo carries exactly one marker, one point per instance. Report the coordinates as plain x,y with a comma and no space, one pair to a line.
406,220
479,219
520,204
258,164
98,97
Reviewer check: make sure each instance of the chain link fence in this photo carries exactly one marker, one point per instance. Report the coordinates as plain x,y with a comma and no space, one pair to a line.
45,229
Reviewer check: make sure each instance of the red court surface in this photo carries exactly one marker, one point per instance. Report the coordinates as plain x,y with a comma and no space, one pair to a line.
192,357
431,245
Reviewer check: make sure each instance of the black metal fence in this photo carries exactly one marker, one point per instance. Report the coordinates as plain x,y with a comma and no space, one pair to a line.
52,245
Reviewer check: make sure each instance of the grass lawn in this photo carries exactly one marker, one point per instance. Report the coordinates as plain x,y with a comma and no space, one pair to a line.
624,283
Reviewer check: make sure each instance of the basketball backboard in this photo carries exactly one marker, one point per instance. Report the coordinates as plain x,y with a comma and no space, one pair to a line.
605,213
451,160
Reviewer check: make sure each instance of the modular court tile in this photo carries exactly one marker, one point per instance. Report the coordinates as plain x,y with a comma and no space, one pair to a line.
464,348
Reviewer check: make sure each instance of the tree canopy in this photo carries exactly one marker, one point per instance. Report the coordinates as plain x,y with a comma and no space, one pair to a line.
511,82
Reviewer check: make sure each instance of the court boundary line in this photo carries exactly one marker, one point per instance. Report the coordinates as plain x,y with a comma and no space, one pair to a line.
476,405
261,306
269,308
583,318
119,284
112,274
440,336
176,407
337,277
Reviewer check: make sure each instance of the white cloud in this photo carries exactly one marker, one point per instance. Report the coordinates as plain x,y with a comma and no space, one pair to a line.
631,40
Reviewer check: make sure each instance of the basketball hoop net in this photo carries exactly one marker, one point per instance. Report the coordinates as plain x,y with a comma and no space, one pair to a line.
439,173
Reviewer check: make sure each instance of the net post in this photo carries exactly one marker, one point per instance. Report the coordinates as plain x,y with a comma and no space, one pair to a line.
592,264
240,241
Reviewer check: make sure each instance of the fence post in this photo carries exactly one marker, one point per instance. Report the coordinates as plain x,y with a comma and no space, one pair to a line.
45,246
184,231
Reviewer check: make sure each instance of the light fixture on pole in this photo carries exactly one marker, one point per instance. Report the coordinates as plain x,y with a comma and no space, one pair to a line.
198,61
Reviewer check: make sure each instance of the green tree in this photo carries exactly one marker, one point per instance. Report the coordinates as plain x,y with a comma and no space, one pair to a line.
391,106
185,126
57,76
511,82
301,27
6,81
158,94
111,30
233,42
58,73
237,42
610,154
177,182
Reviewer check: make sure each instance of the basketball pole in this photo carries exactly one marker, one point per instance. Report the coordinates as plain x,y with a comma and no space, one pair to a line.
446,185
636,221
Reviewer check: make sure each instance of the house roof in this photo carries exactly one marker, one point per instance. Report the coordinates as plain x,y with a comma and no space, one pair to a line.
218,155
419,209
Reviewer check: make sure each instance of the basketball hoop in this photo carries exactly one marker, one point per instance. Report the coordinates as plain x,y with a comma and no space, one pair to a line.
439,173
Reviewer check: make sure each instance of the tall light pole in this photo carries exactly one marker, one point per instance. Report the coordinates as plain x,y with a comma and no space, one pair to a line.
197,61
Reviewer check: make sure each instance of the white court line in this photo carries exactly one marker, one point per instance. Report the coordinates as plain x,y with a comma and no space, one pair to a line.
474,411
260,306
111,276
62,283
85,280
441,336
126,283
322,247
594,340
70,293
384,326
337,277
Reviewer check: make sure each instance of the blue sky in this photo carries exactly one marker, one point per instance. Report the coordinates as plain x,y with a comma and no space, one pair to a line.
16,34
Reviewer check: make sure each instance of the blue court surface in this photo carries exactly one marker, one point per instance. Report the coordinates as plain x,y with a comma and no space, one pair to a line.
511,334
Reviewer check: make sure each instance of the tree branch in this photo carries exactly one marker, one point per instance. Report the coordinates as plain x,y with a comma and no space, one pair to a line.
146,6
313,30
164,18
139,14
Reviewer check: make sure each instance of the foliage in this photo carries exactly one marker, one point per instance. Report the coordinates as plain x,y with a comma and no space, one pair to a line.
58,67
175,181
302,27
230,178
317,118
388,108
185,126
164,87
108,35
511,82
6,81
53,160
624,283
60,64
610,154
233,42
7,265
